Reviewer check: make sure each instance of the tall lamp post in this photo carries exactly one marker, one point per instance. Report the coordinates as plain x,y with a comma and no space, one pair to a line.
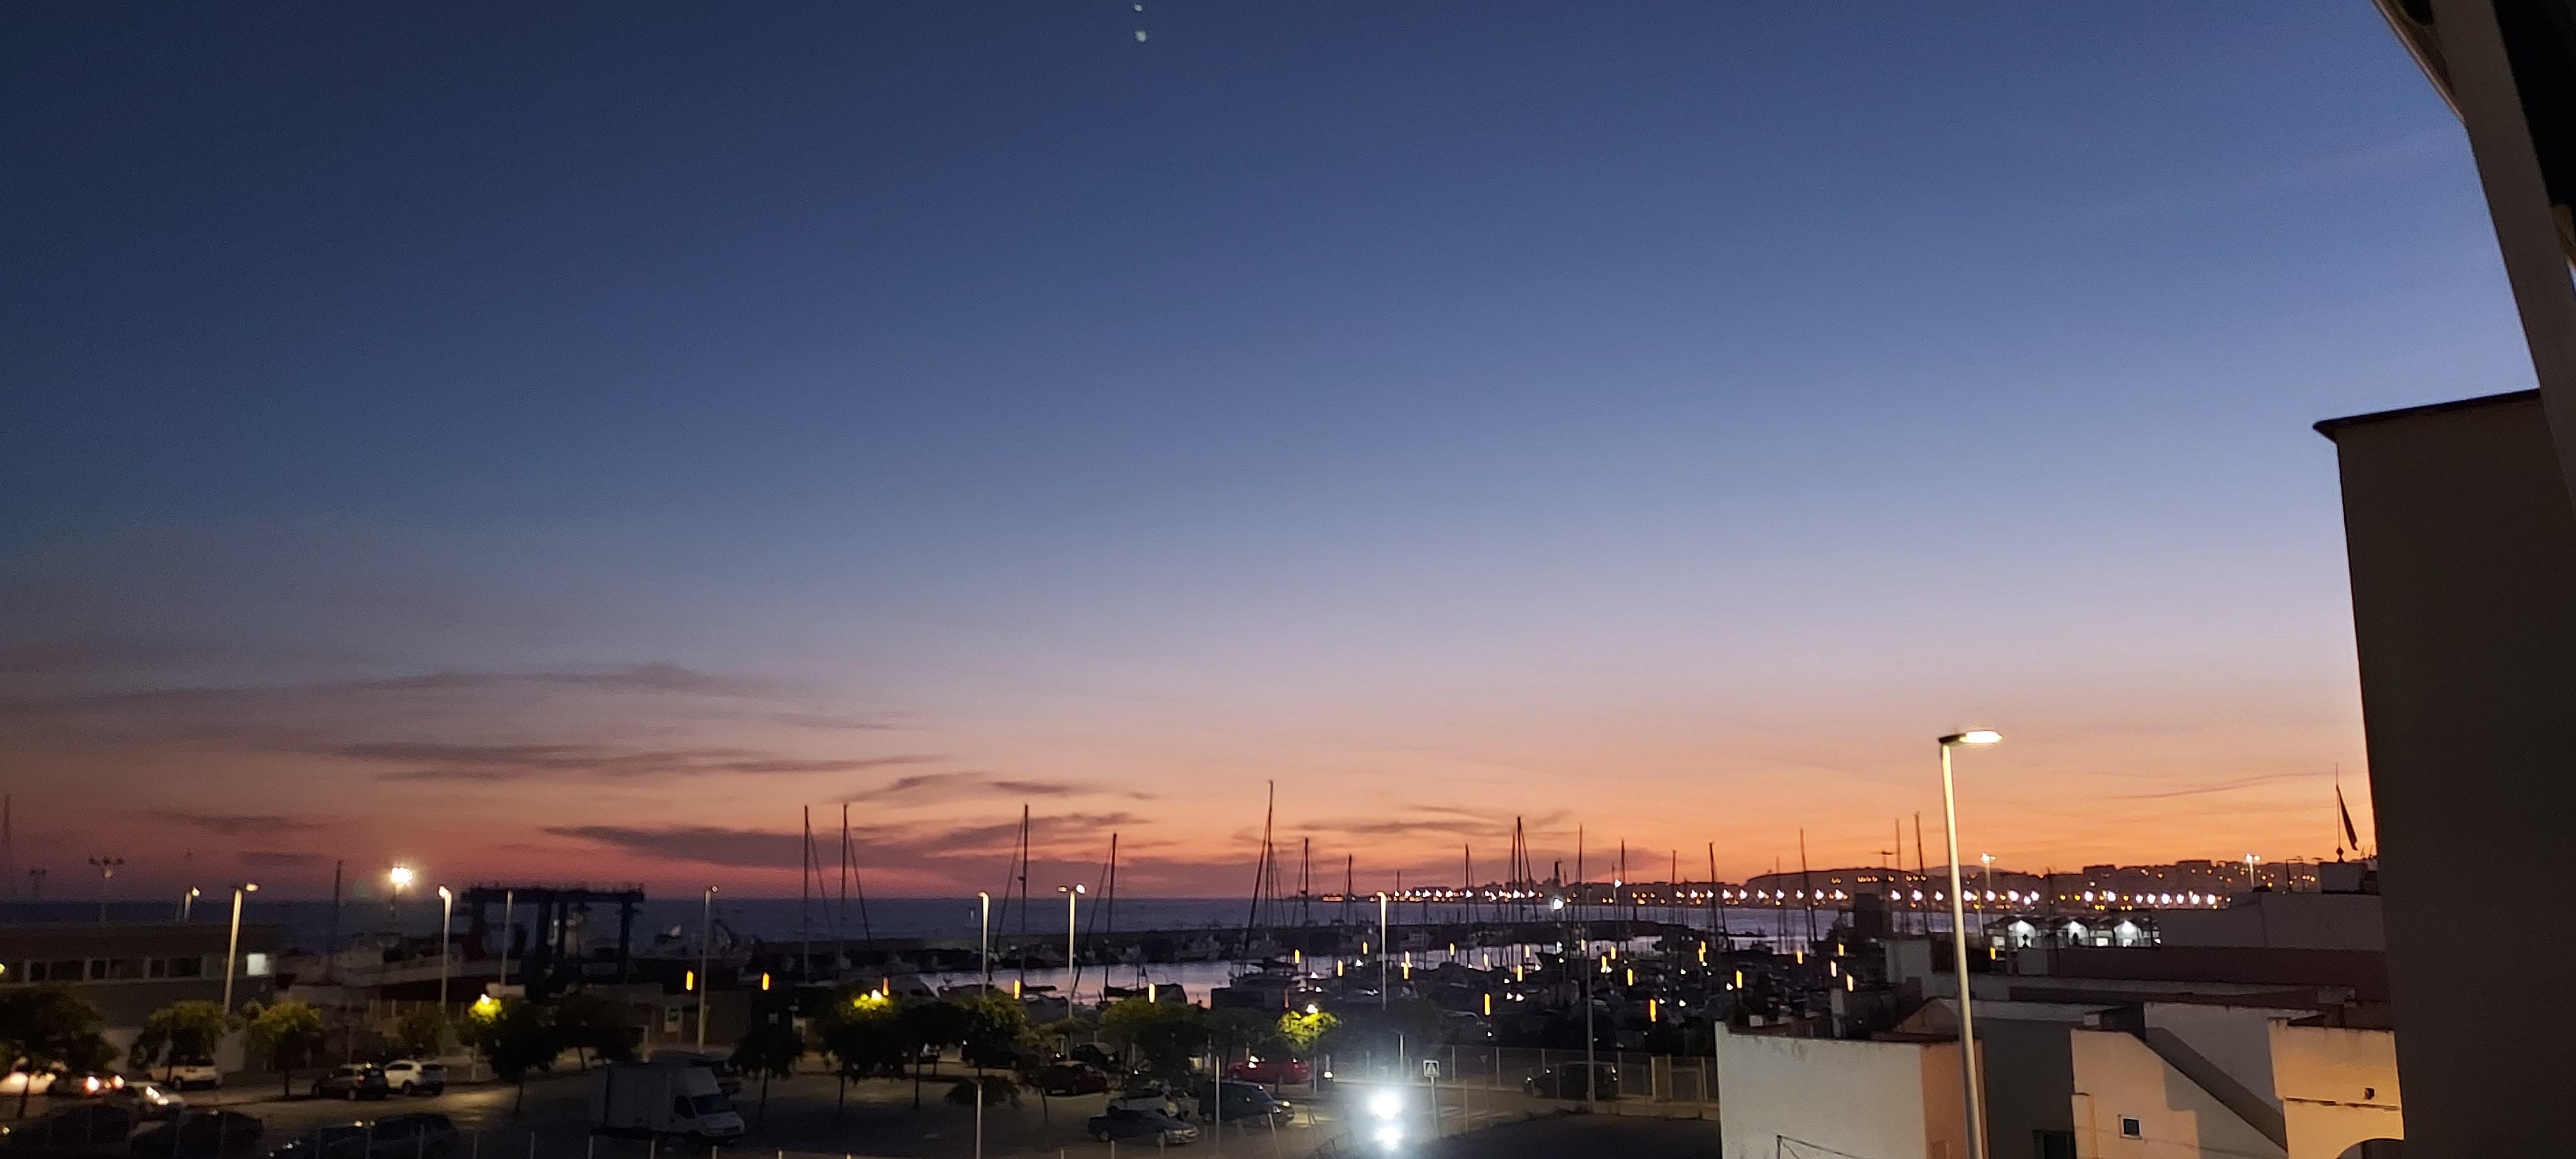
106,867
232,944
1968,1077
446,922
398,876
1381,949
188,902
1072,971
706,944
985,952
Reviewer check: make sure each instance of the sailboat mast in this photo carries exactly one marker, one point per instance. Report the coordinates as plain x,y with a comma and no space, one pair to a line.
805,875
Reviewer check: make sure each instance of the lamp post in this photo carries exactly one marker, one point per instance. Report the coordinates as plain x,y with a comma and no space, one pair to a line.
1072,971
106,867
446,921
984,952
2252,881
398,876
508,897
1975,1087
232,944
188,902
706,943
1381,949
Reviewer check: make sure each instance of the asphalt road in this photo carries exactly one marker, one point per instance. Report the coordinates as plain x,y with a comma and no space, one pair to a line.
811,1115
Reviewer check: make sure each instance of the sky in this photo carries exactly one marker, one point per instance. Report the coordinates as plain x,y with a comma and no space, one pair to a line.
564,443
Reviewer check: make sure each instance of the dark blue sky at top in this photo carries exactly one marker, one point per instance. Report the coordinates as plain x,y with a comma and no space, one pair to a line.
767,335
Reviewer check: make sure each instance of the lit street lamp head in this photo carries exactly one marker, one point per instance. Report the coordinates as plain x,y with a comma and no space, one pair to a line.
1973,736
400,875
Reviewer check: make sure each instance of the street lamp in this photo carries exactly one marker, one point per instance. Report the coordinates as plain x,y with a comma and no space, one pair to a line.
986,944
1381,949
188,902
232,945
106,867
1072,970
446,922
1959,941
2251,880
399,876
706,943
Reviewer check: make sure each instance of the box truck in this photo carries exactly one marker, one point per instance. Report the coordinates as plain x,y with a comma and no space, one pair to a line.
648,1099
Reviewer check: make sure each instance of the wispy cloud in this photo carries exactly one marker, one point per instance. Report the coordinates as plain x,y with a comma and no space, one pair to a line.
238,824
968,848
442,761
971,782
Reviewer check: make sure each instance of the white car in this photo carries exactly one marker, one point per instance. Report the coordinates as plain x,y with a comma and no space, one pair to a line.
19,1082
1153,1097
413,1077
193,1072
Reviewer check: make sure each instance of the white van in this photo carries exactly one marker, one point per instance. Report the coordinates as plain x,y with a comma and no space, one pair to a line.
651,1100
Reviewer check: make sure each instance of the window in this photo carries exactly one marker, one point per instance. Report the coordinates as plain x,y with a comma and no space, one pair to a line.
192,966
63,970
2053,1144
2131,1128
256,965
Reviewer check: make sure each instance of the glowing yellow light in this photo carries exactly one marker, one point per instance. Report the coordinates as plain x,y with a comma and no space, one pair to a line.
1297,956
1703,953
1015,987
1739,977
1632,975
1489,1005
689,980
764,979
1849,985
1650,1010
400,875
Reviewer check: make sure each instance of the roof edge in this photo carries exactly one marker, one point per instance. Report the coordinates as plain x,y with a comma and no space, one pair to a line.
2329,427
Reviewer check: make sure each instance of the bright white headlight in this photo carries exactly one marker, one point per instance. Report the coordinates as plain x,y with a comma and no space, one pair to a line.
1385,1105
1390,1135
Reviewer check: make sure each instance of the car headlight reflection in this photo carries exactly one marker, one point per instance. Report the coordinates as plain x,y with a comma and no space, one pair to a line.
1390,1136
1385,1105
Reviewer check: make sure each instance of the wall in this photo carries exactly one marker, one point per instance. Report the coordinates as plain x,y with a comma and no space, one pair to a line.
2288,921
2462,546
2337,1086
2118,1075
1883,1100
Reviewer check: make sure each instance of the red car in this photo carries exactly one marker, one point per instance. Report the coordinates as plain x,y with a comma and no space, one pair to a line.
1273,1071
1073,1078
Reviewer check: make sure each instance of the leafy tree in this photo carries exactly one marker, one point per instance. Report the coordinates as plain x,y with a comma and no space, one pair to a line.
176,1031
998,1090
45,1026
594,1024
928,1029
865,1033
996,1030
1160,1037
1305,1032
769,1049
288,1034
422,1031
516,1037
1232,1031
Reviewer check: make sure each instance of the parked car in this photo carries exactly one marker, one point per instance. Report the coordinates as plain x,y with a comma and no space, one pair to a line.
353,1081
1114,1124
1244,1102
1091,1053
187,1073
419,1135
1273,1071
1566,1082
86,1084
82,1127
198,1133
148,1100
20,1081
413,1077
1072,1078
338,1141
1146,1096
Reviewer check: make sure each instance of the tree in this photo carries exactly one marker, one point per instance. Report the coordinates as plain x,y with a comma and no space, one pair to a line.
929,1027
865,1034
422,1031
288,1034
45,1026
177,1031
594,1024
1249,1031
1159,1037
516,1037
996,1030
1305,1032
769,1049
